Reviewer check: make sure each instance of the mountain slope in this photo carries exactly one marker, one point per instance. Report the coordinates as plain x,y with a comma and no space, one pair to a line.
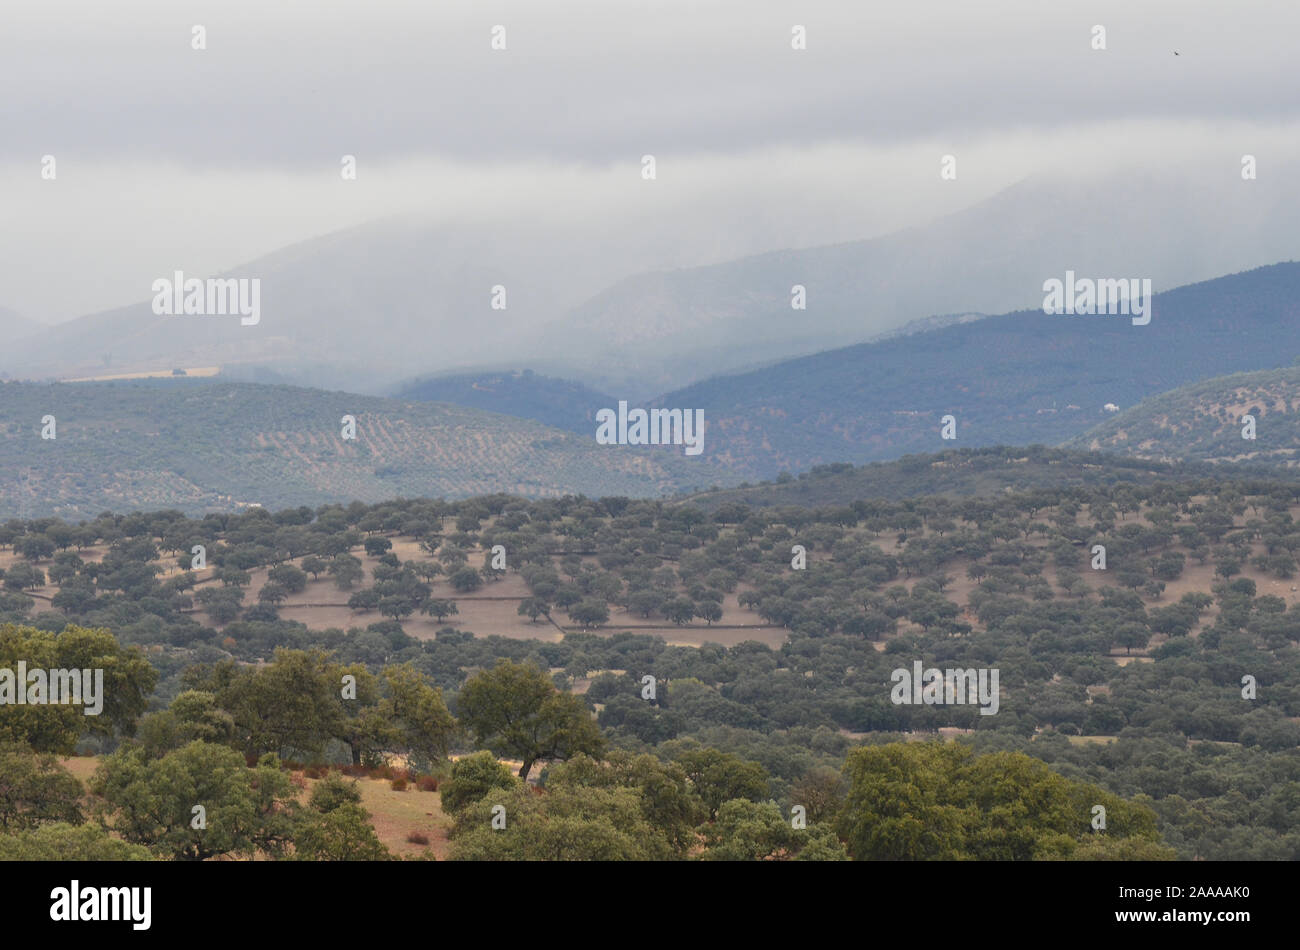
1015,379
1203,421
199,446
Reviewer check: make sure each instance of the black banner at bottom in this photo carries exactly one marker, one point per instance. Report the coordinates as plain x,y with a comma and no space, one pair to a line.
142,900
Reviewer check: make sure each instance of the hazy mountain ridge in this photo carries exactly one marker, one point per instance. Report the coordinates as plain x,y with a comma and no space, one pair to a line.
666,329
1015,379
400,298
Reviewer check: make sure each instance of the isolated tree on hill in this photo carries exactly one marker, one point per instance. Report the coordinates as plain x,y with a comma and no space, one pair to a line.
515,710
532,608
1130,635
24,577
35,789
346,571
332,791
425,570
439,608
193,714
466,580
367,599
679,610
272,593
129,678
719,777
234,577
753,831
343,833
151,801
571,824
472,777
396,606
36,547
589,613
292,579
65,566
820,791
61,841
314,566
929,800
646,602
336,827
416,710
76,596
375,546
710,611
221,603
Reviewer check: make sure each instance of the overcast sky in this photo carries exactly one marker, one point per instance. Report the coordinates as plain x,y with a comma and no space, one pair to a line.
170,157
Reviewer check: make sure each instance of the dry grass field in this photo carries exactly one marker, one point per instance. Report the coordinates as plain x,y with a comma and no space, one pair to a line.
394,815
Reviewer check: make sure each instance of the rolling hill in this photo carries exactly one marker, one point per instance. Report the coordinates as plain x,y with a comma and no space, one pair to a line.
1203,421
198,446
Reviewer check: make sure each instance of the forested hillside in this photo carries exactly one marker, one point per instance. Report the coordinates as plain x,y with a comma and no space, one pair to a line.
1205,421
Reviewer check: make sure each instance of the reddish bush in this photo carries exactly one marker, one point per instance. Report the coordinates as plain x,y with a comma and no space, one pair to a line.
399,784
427,783
416,837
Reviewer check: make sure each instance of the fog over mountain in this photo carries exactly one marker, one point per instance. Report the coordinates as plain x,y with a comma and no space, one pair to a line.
658,330
15,326
361,307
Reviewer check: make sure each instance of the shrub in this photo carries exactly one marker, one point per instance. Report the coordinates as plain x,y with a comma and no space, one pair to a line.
472,777
417,837
333,792
399,784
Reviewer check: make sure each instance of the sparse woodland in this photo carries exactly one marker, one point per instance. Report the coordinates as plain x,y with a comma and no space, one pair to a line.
1120,687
